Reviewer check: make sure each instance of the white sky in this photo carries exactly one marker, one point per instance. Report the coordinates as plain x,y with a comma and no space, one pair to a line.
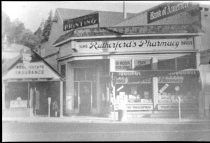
32,12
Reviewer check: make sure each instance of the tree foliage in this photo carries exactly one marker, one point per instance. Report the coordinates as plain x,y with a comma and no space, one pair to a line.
47,27
15,32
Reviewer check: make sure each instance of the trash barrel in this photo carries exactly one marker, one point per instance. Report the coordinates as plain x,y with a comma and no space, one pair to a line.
120,115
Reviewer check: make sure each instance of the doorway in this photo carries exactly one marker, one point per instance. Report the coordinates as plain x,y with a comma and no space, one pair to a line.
85,98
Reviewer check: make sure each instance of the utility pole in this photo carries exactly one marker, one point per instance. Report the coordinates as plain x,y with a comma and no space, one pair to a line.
124,10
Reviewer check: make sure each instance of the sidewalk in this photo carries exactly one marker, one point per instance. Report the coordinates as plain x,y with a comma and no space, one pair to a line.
92,119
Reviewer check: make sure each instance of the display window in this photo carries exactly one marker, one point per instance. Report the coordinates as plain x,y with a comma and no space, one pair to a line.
134,93
187,87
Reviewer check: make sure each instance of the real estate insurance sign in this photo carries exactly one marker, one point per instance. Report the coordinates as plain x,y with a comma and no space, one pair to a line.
134,45
31,70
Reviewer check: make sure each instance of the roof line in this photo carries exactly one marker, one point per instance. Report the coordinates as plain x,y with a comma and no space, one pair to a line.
141,12
114,36
59,15
48,65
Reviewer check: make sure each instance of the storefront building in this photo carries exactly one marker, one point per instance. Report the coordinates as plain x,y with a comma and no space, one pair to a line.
62,16
142,68
28,84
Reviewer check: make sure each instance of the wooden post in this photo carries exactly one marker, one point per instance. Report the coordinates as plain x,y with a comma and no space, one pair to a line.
49,102
3,94
179,100
61,98
155,91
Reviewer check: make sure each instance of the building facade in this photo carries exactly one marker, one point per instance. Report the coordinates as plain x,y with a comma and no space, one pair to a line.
49,52
28,83
142,64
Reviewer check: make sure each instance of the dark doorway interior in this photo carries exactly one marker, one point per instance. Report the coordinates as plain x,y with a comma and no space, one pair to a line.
85,98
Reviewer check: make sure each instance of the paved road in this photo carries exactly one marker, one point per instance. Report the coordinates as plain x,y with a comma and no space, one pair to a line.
17,131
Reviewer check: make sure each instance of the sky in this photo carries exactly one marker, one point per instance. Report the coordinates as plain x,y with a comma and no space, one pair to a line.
31,13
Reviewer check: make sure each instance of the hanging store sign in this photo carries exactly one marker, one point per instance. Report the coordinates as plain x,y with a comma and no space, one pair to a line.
123,65
82,21
134,45
167,9
142,62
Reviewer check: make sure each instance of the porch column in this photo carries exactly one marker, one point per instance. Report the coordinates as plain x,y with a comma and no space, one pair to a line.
155,91
61,98
3,94
155,82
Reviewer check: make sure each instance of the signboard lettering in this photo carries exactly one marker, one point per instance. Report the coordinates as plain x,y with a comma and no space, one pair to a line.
82,21
167,107
136,107
134,45
166,10
123,64
30,70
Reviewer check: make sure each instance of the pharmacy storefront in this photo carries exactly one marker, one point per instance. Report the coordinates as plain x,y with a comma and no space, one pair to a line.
147,74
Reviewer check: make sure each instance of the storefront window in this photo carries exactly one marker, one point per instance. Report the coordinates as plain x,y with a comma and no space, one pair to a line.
79,74
63,71
166,64
184,86
94,97
76,95
89,74
141,93
186,62
18,95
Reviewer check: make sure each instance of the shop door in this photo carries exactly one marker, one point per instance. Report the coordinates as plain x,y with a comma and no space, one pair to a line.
85,98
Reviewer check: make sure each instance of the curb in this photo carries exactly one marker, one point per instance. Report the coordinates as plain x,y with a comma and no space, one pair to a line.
83,120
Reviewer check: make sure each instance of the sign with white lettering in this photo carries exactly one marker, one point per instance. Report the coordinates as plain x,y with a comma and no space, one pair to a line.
30,70
141,62
123,65
167,9
184,106
82,21
168,107
134,45
136,107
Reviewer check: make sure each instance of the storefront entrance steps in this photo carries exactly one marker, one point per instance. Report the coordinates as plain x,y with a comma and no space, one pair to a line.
90,119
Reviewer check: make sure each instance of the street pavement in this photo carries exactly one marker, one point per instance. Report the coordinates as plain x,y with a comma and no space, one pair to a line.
104,129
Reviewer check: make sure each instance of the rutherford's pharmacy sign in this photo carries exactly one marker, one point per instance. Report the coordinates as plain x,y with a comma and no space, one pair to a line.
134,45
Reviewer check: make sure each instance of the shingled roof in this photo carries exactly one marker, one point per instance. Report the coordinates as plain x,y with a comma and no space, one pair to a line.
128,30
107,18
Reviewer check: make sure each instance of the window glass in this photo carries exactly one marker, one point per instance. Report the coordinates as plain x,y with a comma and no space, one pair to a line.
134,93
76,95
166,64
79,74
89,74
186,62
94,97
63,71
